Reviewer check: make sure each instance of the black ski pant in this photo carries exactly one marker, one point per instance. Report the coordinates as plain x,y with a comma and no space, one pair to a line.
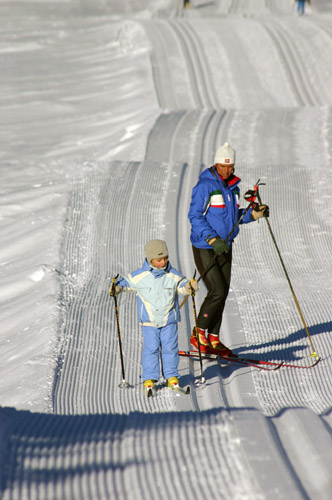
217,281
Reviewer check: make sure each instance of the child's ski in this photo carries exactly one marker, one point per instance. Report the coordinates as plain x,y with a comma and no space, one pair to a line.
150,391
180,390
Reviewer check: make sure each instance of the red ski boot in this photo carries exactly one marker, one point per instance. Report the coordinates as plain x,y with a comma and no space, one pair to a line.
204,342
218,347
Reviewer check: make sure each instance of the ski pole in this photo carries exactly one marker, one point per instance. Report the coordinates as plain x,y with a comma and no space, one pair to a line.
314,353
123,384
249,196
202,379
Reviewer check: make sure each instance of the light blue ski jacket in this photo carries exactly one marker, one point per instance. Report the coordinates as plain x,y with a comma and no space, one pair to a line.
214,208
157,293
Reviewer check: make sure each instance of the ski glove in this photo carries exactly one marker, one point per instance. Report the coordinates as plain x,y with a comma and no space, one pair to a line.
115,290
260,211
191,286
220,246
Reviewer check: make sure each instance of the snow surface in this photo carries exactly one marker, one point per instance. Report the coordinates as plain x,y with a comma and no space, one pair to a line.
110,110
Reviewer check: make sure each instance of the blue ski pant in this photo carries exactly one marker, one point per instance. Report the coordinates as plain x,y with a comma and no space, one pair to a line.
160,340
300,6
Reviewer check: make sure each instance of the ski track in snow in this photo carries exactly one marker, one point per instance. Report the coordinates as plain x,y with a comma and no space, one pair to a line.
247,434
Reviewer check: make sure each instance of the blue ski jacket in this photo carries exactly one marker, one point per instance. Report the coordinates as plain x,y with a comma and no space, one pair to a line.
214,208
157,293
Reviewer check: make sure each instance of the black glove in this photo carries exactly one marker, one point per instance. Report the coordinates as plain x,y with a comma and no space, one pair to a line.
220,246
260,211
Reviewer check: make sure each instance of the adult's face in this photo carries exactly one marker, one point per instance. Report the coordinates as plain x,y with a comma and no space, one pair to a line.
225,170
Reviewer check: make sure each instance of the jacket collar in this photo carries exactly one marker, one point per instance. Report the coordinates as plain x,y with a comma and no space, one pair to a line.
154,270
232,181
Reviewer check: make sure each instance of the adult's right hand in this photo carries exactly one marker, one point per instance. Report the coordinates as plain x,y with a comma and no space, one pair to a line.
220,246
260,211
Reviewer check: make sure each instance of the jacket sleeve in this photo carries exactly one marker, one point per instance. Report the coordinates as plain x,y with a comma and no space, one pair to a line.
125,284
198,205
247,218
181,287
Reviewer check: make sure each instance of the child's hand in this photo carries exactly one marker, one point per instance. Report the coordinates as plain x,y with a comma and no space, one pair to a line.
115,290
194,284
191,286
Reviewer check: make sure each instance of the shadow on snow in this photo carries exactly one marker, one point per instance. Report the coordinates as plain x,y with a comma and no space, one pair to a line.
288,347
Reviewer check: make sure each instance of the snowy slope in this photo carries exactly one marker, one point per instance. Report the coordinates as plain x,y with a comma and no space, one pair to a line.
111,111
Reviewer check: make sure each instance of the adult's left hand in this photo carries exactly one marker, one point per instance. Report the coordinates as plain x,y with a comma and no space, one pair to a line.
220,246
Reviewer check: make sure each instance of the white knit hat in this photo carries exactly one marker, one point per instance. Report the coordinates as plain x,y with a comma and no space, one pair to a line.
156,249
225,154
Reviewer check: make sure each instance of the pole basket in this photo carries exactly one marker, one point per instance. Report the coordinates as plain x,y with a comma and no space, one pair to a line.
200,381
124,384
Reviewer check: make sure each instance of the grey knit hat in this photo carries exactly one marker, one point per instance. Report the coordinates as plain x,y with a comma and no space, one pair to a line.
156,249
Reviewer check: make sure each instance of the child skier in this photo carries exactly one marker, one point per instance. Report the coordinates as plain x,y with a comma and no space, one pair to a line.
157,285
301,6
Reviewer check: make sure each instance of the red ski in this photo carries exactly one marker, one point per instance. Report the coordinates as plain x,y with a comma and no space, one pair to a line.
234,359
249,361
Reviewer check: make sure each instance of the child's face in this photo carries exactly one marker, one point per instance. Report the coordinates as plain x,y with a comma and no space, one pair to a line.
159,263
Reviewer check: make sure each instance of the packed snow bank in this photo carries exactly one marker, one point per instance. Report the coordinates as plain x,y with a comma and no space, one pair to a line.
130,8
33,205
74,87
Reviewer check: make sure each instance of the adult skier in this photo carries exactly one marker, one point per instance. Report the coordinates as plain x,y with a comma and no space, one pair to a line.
213,213
157,285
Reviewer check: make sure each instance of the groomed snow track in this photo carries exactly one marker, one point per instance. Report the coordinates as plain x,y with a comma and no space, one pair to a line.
131,456
103,440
